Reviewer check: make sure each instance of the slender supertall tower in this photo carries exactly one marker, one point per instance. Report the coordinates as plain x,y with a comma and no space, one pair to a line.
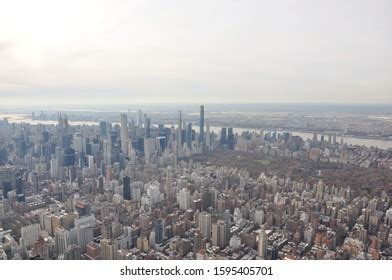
208,136
139,119
124,133
188,136
179,133
202,138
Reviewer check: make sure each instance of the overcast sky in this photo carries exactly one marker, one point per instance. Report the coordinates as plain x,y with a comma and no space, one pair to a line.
140,51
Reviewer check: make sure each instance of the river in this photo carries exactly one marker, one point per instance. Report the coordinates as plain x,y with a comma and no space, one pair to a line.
382,144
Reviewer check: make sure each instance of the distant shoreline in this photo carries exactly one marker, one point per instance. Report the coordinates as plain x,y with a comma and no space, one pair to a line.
380,142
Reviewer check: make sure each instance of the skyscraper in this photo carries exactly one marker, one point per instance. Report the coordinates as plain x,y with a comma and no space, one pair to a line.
79,142
179,134
202,138
263,242
84,230
148,127
7,187
139,120
230,138
29,234
208,136
198,242
19,189
124,133
189,135
158,232
149,148
70,157
226,217
107,250
103,128
60,236
72,252
107,152
127,188
315,137
19,185
219,234
223,139
205,224
184,199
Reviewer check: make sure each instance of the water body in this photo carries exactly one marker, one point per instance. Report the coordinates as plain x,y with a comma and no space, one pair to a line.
382,144
22,118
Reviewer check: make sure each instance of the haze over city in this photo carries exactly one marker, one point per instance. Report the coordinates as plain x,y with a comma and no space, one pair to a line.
195,130
126,52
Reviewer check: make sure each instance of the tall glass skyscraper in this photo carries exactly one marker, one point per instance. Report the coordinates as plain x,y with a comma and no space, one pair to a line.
127,188
202,138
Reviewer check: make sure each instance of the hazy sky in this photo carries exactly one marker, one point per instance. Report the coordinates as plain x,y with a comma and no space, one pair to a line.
71,51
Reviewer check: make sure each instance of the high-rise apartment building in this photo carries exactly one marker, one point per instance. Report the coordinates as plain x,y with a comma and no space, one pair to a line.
205,224
124,133
184,199
219,234
263,243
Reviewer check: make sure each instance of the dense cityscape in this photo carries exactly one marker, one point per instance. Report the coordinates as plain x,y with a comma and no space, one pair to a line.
137,186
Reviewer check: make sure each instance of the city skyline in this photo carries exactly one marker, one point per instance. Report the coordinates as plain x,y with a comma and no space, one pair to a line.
129,189
187,52
211,131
